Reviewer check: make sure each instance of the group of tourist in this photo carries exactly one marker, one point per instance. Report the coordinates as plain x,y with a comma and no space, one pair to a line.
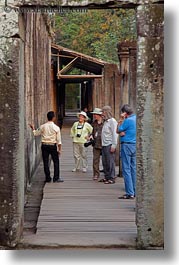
102,134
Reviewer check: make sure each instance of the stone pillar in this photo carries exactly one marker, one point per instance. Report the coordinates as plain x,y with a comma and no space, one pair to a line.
150,131
123,53
132,77
127,65
11,128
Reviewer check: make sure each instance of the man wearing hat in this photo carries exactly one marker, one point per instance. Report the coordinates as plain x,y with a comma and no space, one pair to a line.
97,129
80,132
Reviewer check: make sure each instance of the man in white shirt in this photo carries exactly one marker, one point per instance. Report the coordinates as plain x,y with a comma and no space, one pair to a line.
51,145
109,142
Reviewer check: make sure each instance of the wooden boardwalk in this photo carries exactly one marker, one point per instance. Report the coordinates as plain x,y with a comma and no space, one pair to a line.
81,212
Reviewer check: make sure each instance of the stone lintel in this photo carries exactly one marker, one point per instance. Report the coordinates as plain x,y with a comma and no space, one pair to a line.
83,3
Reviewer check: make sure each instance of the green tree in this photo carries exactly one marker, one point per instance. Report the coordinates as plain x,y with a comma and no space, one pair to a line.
97,32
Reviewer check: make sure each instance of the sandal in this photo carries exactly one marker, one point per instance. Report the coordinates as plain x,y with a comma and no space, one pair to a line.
128,197
110,181
102,180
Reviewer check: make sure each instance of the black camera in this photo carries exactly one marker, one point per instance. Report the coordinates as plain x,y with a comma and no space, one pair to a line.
91,142
78,135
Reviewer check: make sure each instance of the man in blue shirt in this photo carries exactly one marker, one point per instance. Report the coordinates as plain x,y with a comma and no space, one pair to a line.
127,131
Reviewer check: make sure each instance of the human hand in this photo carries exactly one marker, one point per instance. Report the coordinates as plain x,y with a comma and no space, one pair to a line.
32,126
113,149
123,115
122,133
59,149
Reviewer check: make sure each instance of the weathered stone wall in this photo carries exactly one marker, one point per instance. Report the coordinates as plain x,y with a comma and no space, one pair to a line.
38,98
150,131
11,128
25,98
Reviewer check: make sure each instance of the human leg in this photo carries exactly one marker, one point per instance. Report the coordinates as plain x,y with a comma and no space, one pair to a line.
133,167
104,161
108,160
45,157
96,160
126,168
83,152
112,172
55,159
77,156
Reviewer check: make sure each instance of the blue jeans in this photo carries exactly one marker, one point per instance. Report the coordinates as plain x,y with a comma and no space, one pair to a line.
128,157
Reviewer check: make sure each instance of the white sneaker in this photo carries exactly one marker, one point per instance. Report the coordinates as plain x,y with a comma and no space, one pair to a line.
74,170
84,170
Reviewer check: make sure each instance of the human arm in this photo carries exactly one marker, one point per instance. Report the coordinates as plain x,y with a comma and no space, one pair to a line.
59,142
59,149
32,126
35,132
72,131
123,116
114,135
123,124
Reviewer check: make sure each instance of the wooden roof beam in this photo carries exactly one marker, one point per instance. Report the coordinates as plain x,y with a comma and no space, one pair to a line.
79,76
67,67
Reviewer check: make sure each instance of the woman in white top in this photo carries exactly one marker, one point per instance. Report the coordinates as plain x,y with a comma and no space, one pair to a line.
80,132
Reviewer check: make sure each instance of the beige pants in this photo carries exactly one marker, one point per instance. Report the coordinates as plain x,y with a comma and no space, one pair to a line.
80,156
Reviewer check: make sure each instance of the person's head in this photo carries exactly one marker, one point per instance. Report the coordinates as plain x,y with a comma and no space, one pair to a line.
97,114
107,112
82,116
50,115
126,108
85,109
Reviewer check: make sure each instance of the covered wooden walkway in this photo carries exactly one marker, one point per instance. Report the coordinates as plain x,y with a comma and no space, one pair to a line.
81,212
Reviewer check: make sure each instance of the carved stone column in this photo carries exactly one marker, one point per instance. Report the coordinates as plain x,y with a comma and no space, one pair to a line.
127,65
11,128
150,131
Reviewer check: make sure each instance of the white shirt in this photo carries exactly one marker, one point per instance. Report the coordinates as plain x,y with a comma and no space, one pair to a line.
109,135
50,133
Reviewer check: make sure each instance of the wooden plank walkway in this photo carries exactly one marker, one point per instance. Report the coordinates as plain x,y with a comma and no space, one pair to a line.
81,212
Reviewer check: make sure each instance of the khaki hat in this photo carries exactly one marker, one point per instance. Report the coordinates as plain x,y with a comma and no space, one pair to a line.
97,111
82,113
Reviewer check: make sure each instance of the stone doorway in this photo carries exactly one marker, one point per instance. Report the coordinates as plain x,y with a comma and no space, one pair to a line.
150,173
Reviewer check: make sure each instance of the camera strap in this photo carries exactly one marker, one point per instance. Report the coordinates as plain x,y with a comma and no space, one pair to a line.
80,127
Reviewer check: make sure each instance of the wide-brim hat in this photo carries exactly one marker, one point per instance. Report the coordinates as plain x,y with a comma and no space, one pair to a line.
82,113
97,111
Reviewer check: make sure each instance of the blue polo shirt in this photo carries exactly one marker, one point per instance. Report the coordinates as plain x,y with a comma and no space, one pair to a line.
129,127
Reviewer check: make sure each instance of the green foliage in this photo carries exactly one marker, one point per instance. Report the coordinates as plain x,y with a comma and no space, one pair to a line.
72,96
97,32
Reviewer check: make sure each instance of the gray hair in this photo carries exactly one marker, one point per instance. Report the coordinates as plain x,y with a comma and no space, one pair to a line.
108,112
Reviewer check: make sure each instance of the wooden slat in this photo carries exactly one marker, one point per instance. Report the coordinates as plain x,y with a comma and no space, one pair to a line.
83,212
61,76
67,67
